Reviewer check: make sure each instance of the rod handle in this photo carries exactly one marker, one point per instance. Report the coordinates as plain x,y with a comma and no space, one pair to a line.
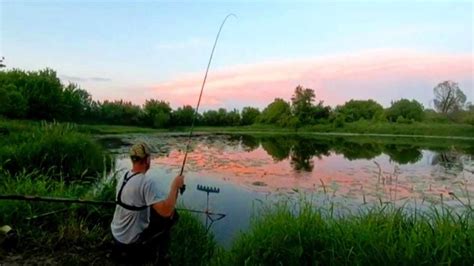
182,189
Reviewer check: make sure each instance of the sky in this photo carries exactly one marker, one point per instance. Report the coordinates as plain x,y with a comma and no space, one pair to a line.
138,50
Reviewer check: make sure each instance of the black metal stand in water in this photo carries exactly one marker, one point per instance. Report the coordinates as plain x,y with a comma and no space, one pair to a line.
209,216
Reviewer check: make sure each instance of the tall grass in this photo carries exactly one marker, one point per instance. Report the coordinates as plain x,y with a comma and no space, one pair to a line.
77,233
53,149
379,236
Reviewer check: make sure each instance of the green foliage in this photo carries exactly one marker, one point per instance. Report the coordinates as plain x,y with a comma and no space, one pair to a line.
183,116
221,117
190,242
339,121
431,116
233,118
469,118
275,111
43,92
39,95
70,229
303,108
249,115
80,234
355,110
402,120
55,150
14,105
302,103
77,103
386,235
157,113
409,110
120,112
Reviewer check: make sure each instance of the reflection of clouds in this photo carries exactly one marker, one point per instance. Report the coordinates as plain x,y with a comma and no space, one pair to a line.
226,158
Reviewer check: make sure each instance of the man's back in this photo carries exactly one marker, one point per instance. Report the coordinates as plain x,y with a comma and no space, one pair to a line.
140,190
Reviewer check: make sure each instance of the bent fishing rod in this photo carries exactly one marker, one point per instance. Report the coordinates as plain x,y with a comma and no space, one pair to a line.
181,190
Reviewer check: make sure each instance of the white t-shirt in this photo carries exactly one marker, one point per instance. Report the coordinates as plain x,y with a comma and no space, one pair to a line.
140,190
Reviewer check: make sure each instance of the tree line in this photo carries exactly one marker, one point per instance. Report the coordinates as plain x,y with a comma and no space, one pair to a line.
40,95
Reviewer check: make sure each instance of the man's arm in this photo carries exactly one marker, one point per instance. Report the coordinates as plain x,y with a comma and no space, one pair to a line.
166,207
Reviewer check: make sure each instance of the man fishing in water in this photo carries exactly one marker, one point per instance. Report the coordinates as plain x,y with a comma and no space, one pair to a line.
143,217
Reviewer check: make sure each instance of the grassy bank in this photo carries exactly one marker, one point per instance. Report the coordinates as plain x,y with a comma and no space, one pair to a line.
53,149
377,236
56,160
362,127
79,234
281,234
445,129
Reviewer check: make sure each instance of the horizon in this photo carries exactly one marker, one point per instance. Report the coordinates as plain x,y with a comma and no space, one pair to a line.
160,50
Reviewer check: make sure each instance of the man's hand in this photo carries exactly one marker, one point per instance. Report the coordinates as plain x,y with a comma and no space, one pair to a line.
166,207
178,181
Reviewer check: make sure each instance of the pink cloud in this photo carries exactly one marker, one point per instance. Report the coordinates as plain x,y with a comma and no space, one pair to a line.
382,75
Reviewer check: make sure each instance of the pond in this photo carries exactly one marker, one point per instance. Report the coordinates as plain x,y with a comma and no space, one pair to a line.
346,171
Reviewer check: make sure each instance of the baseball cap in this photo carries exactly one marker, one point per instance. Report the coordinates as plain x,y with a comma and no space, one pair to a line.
140,150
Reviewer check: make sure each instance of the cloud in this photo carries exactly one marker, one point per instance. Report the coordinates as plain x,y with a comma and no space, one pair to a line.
99,79
72,78
83,79
382,75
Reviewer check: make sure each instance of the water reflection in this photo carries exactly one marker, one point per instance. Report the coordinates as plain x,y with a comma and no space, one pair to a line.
348,171
301,150
403,154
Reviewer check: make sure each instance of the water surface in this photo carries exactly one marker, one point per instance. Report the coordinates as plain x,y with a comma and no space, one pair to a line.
251,170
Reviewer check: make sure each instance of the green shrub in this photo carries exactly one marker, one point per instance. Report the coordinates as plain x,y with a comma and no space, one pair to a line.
55,150
403,120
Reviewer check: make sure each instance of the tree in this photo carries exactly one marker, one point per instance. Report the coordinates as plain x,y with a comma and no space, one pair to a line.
302,103
410,110
222,117
449,97
210,118
303,108
13,105
183,116
249,115
157,113
275,111
120,113
76,103
233,118
354,110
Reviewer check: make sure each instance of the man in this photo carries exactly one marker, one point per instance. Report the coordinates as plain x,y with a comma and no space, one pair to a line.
142,219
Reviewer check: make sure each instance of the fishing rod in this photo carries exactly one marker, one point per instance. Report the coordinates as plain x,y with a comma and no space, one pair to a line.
92,202
181,190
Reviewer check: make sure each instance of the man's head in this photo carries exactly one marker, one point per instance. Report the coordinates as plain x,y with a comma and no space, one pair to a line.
140,155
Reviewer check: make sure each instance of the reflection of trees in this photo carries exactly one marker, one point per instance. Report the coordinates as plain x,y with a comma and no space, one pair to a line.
304,150
354,150
249,143
277,147
403,154
450,161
